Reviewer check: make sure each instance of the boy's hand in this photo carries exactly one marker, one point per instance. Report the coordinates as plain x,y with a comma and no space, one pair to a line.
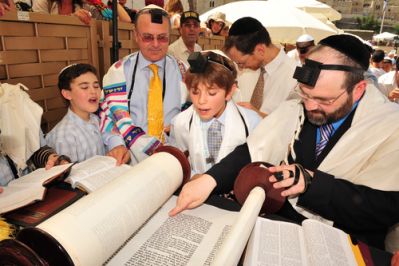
121,154
55,159
194,193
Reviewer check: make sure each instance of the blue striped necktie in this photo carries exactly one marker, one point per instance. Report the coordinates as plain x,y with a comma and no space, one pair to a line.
325,134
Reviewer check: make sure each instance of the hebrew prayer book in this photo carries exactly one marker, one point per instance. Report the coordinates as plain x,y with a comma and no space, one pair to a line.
313,243
116,224
95,172
57,198
29,188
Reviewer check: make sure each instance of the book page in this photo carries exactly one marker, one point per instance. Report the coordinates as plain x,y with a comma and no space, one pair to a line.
326,243
189,238
28,188
100,179
276,243
90,167
38,176
94,227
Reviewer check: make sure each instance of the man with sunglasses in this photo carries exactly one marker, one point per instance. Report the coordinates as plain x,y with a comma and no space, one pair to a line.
132,116
303,45
189,33
335,150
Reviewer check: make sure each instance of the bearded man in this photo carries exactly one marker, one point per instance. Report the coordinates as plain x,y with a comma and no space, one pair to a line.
339,144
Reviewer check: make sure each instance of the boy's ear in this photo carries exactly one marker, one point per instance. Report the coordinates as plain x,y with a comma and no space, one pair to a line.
231,92
66,94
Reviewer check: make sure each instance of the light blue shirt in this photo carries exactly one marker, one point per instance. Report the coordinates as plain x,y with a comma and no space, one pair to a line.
172,101
336,124
76,138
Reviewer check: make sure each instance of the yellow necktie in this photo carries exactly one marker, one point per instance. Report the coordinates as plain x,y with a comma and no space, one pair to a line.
155,105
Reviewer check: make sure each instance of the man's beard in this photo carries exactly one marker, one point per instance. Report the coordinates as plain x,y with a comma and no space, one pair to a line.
319,117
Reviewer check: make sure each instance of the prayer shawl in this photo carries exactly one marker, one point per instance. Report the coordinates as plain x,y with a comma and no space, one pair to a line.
20,119
115,116
189,137
366,154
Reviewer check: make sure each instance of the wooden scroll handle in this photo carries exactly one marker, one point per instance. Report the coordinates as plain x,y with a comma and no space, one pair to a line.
33,246
181,157
14,252
253,175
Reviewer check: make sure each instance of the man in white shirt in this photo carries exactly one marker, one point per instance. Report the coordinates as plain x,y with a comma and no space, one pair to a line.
250,46
187,43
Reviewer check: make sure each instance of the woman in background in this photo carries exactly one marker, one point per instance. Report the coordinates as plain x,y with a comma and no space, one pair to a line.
174,9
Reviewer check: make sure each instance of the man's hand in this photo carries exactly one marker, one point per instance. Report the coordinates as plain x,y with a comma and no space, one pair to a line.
286,178
1,189
249,106
394,95
83,15
194,193
120,153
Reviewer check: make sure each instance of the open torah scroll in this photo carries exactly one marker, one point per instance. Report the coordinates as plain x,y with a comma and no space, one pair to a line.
106,226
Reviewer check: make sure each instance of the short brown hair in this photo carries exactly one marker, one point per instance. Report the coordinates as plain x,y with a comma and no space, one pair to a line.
222,73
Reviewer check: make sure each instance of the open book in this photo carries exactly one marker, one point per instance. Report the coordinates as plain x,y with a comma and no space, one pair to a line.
313,243
95,172
29,188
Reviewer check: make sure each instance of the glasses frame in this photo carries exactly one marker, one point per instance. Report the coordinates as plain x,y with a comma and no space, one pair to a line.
149,38
326,102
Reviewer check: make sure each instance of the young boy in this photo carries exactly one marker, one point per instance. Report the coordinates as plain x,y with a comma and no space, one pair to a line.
214,125
78,135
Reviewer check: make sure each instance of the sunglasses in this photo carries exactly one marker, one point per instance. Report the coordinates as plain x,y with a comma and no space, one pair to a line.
147,37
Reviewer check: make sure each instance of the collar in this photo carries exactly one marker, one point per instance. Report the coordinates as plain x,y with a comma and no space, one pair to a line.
273,65
144,63
77,119
182,45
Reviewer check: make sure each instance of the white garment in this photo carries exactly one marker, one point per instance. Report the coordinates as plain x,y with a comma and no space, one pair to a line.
279,82
246,81
20,119
293,54
179,50
387,82
361,156
191,137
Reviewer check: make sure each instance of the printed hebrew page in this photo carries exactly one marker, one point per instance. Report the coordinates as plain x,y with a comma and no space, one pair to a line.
276,243
190,238
95,172
28,188
326,243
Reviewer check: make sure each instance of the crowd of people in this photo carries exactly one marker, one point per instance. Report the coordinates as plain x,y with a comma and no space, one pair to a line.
324,115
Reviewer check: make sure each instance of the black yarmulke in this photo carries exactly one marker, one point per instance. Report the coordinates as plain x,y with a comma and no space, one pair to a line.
349,46
245,25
